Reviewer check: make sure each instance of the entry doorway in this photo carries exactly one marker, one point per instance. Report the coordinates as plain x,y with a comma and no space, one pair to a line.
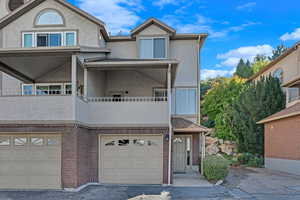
182,153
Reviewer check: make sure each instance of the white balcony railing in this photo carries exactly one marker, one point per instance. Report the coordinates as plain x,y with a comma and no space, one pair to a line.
126,99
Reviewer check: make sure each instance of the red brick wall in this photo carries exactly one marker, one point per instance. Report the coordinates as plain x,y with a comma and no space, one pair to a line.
282,138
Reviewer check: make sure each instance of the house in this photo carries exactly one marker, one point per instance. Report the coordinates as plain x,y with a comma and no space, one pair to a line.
91,107
282,136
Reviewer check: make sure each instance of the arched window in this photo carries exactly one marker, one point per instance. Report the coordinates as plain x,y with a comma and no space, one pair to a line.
14,4
49,17
278,73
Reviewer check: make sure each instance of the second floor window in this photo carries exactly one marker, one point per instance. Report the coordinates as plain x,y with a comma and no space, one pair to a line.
152,48
49,39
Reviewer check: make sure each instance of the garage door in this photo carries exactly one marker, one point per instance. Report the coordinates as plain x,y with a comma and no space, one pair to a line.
131,159
30,162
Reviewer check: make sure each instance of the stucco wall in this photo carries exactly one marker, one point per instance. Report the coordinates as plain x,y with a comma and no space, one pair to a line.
131,81
125,49
290,65
10,85
88,32
96,83
284,165
3,8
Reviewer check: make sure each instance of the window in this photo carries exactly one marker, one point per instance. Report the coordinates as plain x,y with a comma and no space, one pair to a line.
49,17
278,73
49,39
28,40
293,94
185,101
27,89
52,141
70,38
123,142
37,141
4,141
47,89
152,48
20,141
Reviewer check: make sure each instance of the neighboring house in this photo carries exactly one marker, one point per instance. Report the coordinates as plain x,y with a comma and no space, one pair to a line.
95,107
282,138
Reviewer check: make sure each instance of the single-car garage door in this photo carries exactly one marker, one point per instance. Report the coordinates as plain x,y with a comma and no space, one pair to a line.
30,162
133,159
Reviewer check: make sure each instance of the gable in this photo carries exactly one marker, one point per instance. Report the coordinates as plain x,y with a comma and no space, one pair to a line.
153,30
88,31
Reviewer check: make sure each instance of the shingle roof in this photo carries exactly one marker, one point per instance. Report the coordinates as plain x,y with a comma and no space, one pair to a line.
183,125
287,112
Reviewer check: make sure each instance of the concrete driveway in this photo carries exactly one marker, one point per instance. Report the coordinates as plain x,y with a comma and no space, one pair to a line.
242,183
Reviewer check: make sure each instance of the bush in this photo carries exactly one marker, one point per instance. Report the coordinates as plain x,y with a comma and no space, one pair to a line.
251,160
215,168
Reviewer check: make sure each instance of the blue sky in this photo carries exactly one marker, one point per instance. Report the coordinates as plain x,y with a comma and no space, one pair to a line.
237,28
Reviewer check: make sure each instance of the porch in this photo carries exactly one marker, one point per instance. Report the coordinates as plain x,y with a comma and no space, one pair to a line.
62,86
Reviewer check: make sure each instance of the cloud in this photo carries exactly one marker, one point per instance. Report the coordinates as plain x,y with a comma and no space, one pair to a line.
291,36
119,15
212,73
232,57
162,3
248,6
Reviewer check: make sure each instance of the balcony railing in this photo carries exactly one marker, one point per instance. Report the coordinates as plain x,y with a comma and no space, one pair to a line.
125,99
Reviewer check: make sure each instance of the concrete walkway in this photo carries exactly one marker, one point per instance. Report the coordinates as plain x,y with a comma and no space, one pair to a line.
191,179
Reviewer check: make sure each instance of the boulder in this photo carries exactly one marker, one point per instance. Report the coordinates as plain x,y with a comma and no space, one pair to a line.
211,140
212,149
228,149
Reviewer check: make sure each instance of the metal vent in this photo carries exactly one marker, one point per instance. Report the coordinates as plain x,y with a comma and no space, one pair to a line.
14,4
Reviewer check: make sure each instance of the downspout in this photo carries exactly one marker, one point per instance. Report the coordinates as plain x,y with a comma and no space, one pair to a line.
170,124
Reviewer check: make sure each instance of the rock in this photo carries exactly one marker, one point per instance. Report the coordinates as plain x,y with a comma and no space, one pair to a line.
211,140
220,182
221,141
212,149
228,149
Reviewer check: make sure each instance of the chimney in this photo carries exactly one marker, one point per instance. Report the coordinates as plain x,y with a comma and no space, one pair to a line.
6,6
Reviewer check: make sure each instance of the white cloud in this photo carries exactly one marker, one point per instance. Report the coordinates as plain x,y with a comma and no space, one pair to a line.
246,6
291,36
232,57
119,15
204,24
212,73
162,3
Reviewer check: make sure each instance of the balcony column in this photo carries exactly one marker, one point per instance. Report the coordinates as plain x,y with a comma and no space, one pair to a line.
85,82
170,122
74,75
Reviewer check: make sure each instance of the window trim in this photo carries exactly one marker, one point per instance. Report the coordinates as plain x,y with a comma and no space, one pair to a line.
152,38
48,25
62,33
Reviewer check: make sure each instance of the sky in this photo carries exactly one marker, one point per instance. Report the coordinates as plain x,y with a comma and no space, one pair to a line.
237,28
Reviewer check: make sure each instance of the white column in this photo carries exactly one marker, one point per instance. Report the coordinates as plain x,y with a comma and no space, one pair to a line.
85,74
170,123
74,75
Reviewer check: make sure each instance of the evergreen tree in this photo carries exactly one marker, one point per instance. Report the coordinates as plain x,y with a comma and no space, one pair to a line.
280,49
259,101
243,69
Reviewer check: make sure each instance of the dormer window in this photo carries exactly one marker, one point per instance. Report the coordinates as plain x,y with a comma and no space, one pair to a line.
49,18
152,48
278,73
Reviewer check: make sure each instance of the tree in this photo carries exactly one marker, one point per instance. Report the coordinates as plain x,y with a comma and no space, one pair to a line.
259,101
243,69
260,61
218,99
280,49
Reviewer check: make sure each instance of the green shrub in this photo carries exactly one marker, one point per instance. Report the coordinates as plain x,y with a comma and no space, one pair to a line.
215,168
250,160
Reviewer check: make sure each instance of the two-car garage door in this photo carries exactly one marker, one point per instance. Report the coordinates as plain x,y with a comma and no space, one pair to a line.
30,161
132,159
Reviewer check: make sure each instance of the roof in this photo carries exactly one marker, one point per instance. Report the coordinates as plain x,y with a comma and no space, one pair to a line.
278,59
292,83
291,111
33,3
183,125
151,21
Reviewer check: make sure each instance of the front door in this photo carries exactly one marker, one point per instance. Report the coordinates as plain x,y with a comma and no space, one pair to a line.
179,154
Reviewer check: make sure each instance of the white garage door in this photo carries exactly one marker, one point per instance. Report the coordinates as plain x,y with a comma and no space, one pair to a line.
30,162
131,159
